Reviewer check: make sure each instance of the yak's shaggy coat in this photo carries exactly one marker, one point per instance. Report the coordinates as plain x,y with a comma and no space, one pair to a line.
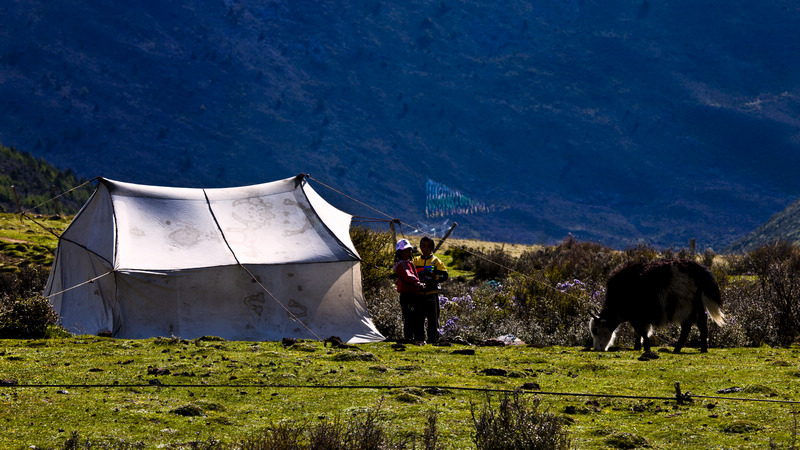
656,294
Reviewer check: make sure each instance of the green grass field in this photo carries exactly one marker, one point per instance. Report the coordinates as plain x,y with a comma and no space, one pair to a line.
25,240
105,390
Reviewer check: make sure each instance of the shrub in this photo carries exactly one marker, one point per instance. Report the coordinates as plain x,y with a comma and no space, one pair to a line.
74,442
777,266
369,430
376,250
24,312
25,317
570,260
494,265
475,312
29,280
459,257
749,318
383,305
517,424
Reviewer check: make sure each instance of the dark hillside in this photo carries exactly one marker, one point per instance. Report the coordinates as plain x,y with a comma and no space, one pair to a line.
36,183
620,122
783,226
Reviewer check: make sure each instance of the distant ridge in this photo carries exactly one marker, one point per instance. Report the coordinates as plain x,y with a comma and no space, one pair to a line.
783,226
31,183
621,122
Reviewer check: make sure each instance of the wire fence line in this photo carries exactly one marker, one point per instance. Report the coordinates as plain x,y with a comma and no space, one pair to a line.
156,383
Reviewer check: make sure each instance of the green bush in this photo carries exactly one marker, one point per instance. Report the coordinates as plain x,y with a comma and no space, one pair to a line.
26,317
517,423
376,250
24,313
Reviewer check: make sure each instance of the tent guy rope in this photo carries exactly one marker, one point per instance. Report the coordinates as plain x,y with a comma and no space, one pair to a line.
81,284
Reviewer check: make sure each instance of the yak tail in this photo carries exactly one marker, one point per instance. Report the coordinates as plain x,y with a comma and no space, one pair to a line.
712,301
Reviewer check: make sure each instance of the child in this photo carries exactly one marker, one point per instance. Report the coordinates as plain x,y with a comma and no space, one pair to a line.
431,271
409,286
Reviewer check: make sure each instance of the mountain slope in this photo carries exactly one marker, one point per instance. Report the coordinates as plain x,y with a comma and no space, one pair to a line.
623,122
782,226
34,185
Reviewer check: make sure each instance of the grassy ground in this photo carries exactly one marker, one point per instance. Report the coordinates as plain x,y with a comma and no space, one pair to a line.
235,388
24,240
511,249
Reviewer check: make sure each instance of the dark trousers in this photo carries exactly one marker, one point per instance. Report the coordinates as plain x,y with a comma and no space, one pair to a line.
413,320
430,311
418,308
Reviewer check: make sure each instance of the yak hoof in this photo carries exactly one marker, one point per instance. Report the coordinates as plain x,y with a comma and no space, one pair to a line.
648,355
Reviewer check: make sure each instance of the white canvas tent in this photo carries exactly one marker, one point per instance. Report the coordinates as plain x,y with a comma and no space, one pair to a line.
258,262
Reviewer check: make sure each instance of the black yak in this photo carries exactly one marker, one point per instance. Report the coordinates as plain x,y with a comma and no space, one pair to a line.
656,294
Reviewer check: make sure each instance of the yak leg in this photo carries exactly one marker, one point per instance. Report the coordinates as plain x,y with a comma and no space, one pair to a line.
642,339
637,341
646,343
702,325
685,328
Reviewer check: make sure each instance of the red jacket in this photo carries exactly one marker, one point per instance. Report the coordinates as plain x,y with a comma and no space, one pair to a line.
407,280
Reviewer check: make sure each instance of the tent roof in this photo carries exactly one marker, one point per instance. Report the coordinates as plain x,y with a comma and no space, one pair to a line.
164,228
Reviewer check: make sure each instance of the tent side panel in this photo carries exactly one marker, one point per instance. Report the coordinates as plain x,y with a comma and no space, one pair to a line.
227,302
343,311
337,221
147,304
370,332
83,308
93,227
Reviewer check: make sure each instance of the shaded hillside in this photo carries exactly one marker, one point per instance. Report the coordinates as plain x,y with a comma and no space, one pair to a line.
36,183
783,226
618,122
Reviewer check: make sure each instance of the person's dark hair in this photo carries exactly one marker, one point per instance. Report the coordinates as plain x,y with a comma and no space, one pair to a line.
397,255
425,238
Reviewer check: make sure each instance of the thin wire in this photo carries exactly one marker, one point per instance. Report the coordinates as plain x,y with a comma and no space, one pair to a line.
49,230
62,194
24,212
399,222
351,198
460,247
81,284
291,314
369,219
156,383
